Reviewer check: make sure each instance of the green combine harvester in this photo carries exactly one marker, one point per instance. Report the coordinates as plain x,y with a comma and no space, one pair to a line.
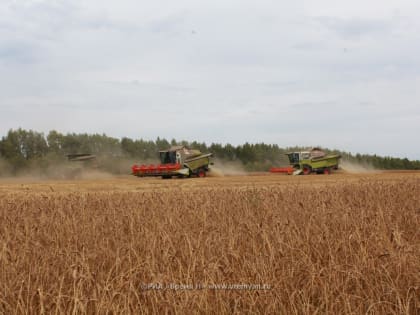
308,162
177,161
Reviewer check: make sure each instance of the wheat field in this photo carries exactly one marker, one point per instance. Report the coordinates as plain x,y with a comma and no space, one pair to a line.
339,244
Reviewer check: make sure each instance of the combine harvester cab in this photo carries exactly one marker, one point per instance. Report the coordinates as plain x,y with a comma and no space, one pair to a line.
308,162
177,161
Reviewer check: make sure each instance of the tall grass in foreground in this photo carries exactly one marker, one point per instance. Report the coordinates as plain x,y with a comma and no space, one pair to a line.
353,248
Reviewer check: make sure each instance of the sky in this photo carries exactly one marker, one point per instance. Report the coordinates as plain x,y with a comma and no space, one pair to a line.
336,74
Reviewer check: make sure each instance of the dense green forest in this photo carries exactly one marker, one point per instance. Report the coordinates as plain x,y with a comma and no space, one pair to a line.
25,150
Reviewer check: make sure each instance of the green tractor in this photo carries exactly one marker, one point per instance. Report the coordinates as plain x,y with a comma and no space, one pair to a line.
177,161
314,161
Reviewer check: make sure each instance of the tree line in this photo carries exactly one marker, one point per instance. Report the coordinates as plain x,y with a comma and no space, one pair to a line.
23,149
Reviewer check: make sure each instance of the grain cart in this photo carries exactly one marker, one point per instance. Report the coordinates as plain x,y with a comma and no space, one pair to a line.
178,161
307,162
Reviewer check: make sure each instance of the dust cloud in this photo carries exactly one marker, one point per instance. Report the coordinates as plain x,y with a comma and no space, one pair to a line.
5,168
226,168
64,170
357,168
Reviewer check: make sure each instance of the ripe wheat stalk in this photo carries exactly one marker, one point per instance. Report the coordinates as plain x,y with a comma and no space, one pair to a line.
349,247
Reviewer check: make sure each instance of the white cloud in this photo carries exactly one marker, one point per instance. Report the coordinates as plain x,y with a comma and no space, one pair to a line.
325,73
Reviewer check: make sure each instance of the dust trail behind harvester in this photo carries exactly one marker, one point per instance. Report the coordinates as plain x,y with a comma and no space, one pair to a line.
5,168
64,170
227,168
357,168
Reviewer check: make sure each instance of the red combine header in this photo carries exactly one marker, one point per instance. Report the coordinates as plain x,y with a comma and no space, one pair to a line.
286,170
154,170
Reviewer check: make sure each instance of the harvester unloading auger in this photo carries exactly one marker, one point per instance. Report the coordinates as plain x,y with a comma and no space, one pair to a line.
307,162
177,161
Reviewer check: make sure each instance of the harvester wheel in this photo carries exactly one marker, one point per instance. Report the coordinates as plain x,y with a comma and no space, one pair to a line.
166,176
307,170
201,172
327,171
